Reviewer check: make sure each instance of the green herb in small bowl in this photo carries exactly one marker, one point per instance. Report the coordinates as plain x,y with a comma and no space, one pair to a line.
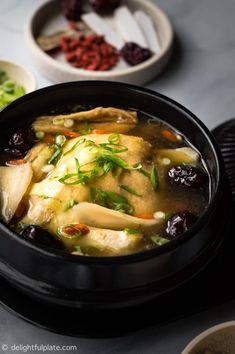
9,90
15,81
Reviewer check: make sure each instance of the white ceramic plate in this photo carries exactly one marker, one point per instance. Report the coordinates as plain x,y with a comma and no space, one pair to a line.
219,339
48,19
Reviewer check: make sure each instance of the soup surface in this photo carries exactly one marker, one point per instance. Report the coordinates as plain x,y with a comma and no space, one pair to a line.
101,182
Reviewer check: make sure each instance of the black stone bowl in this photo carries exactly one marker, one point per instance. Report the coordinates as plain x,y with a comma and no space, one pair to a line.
115,282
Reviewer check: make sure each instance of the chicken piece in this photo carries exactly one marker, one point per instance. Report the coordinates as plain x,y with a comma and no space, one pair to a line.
111,242
51,195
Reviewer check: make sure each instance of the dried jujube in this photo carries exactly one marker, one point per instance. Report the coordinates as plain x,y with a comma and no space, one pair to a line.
179,223
104,7
72,9
187,176
133,54
36,234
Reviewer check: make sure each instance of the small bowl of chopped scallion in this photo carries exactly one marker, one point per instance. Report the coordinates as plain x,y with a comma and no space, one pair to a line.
15,81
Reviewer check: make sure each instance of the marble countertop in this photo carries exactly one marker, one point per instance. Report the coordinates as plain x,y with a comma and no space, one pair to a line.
201,76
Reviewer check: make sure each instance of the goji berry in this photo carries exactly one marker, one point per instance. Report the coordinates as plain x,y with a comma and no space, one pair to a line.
70,56
90,52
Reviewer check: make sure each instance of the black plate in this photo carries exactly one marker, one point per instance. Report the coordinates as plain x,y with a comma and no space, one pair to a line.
181,302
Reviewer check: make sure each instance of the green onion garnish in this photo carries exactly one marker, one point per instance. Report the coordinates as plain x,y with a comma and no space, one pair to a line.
159,240
144,172
117,149
79,142
108,166
61,231
60,140
40,135
114,139
77,248
105,160
70,204
154,179
111,200
130,190
9,91
56,156
85,129
20,226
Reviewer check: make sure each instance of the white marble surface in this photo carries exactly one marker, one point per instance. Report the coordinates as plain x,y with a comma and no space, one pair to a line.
202,77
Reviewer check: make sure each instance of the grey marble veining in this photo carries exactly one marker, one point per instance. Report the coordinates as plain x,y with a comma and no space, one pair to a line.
201,76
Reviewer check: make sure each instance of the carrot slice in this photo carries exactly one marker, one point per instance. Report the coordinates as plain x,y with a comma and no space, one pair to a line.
15,162
98,131
167,134
144,216
71,134
49,139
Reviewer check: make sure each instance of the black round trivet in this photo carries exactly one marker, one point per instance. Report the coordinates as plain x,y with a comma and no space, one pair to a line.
225,136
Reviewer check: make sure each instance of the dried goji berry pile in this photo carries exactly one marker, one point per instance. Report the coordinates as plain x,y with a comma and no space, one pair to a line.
90,52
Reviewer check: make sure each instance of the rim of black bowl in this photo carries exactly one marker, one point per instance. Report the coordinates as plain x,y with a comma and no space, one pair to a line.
130,258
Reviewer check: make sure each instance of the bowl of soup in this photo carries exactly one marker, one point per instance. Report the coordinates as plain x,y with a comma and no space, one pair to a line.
111,195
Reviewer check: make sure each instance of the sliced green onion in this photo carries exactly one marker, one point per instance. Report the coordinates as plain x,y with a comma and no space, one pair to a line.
89,143
8,86
78,249
60,140
82,179
85,129
154,179
159,240
93,149
118,161
114,139
130,190
77,165
20,226
70,204
79,142
111,200
60,232
57,154
117,149
108,166
144,172
3,77
40,135
9,91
